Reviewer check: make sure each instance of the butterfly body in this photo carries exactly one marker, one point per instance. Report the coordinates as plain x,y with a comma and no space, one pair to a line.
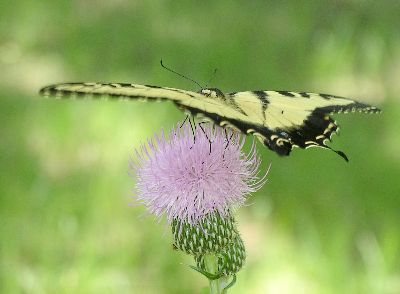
281,120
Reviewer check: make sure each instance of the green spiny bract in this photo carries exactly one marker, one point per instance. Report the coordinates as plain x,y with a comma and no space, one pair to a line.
214,235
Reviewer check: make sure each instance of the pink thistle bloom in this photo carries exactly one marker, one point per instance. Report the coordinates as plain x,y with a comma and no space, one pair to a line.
186,179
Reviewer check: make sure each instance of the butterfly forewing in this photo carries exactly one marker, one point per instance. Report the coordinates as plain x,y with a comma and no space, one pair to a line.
118,90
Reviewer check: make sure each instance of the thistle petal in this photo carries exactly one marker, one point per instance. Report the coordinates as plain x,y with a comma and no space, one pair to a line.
186,179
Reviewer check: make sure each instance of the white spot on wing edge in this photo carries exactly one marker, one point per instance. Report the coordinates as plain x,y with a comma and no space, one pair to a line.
273,137
227,124
260,137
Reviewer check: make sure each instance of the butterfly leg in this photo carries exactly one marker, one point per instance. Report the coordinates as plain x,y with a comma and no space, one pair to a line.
209,141
192,124
187,116
228,140
193,127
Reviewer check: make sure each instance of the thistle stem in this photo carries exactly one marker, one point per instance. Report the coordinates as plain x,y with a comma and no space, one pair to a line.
216,286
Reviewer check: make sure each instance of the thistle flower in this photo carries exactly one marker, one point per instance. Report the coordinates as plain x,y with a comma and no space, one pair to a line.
186,177
197,178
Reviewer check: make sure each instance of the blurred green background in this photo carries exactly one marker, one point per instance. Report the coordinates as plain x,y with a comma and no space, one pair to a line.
319,225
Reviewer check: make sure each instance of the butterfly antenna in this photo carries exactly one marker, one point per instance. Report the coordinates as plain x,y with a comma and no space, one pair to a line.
214,74
179,74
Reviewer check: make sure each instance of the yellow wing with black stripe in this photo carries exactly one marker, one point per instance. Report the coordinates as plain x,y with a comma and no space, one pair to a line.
280,119
294,119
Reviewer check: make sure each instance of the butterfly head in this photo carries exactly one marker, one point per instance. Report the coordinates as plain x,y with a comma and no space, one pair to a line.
212,92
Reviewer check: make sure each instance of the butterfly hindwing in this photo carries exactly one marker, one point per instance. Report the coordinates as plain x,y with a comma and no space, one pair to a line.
297,119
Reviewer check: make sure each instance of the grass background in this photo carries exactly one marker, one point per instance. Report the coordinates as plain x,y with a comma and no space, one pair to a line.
319,225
